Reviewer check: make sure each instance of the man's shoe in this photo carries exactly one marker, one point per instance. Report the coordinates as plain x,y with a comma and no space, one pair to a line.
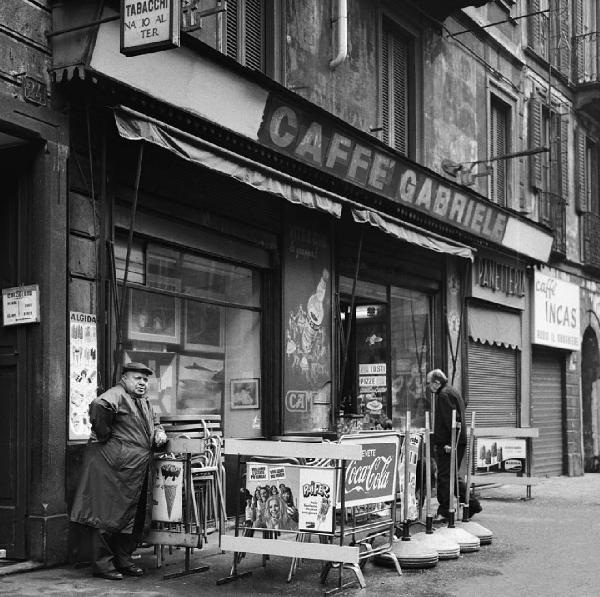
132,570
109,575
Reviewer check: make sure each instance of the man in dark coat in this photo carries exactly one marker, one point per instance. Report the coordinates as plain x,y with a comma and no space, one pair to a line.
113,497
447,399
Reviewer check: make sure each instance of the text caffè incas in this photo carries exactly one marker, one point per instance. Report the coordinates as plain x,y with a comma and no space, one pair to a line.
291,131
556,312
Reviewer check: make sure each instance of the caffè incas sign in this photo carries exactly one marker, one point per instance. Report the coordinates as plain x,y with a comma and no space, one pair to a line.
556,313
149,25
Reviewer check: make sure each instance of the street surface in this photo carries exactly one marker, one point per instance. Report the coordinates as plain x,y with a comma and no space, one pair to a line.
545,547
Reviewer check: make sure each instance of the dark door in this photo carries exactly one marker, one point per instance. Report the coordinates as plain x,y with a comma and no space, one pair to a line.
12,391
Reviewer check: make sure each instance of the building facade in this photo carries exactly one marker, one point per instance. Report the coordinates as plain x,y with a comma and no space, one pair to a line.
291,215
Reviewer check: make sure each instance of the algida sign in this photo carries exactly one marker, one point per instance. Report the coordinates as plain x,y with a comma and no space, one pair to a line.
149,26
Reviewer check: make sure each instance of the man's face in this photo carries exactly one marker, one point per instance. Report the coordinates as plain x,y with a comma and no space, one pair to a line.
433,385
136,383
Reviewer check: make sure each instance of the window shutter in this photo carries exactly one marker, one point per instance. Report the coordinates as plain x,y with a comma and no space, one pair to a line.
579,42
385,86
254,35
580,171
394,88
498,146
564,158
534,26
535,140
231,29
564,40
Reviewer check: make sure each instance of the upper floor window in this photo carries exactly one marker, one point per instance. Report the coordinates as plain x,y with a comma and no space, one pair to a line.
588,175
397,87
549,32
499,146
242,29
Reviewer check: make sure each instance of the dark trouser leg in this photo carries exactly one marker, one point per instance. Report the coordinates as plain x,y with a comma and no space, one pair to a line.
443,481
102,555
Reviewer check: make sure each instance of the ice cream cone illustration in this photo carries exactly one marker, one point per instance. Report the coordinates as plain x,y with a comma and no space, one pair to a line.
170,472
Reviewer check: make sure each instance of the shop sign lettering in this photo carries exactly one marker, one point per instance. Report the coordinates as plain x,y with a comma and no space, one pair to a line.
298,401
322,143
373,478
556,312
149,25
499,277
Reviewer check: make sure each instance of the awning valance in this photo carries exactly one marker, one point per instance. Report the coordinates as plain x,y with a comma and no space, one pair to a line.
495,327
135,126
411,234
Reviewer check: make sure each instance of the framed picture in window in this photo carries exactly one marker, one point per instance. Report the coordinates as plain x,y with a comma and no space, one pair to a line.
204,327
153,317
245,393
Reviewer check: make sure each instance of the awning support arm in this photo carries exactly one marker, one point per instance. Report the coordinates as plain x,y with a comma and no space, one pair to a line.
121,310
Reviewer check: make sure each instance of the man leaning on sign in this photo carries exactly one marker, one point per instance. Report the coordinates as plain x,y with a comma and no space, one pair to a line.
113,497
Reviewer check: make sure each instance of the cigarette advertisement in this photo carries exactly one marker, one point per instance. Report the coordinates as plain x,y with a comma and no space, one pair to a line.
316,509
83,384
272,496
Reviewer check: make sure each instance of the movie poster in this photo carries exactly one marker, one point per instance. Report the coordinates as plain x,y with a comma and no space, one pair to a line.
272,496
83,367
316,508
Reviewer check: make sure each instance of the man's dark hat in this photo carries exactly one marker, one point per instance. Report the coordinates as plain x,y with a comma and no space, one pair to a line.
137,367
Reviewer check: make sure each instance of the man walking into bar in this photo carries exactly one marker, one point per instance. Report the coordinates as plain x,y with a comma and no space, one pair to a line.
113,497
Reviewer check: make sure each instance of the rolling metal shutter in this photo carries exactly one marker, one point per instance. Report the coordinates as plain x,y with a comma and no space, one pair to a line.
493,384
547,413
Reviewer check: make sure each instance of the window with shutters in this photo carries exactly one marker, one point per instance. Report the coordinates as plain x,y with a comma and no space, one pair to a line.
586,40
588,197
548,32
397,87
548,128
499,145
245,24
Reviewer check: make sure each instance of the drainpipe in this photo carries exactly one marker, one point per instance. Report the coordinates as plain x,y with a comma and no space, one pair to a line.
340,18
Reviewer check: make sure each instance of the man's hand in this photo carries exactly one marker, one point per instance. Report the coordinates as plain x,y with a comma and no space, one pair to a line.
447,449
160,438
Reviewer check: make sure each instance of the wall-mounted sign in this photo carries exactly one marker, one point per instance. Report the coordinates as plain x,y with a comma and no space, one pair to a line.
149,26
21,305
499,281
83,367
556,312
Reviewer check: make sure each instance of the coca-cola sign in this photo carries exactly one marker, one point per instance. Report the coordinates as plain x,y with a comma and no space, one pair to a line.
372,479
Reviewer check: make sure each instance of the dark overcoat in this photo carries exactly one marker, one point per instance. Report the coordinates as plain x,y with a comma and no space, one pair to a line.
117,462
448,399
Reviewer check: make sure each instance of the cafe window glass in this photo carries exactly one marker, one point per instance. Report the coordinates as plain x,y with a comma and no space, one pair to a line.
195,321
410,324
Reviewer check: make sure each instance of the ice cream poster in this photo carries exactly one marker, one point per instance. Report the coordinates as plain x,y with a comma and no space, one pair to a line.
83,384
411,494
500,455
316,507
272,496
167,502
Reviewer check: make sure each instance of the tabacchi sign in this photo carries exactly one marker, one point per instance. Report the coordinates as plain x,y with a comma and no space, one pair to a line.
556,313
149,26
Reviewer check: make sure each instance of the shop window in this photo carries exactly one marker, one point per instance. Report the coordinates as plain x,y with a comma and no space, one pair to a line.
397,87
410,320
499,146
196,322
387,357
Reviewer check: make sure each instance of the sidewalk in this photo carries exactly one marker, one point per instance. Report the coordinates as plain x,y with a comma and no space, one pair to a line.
546,546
